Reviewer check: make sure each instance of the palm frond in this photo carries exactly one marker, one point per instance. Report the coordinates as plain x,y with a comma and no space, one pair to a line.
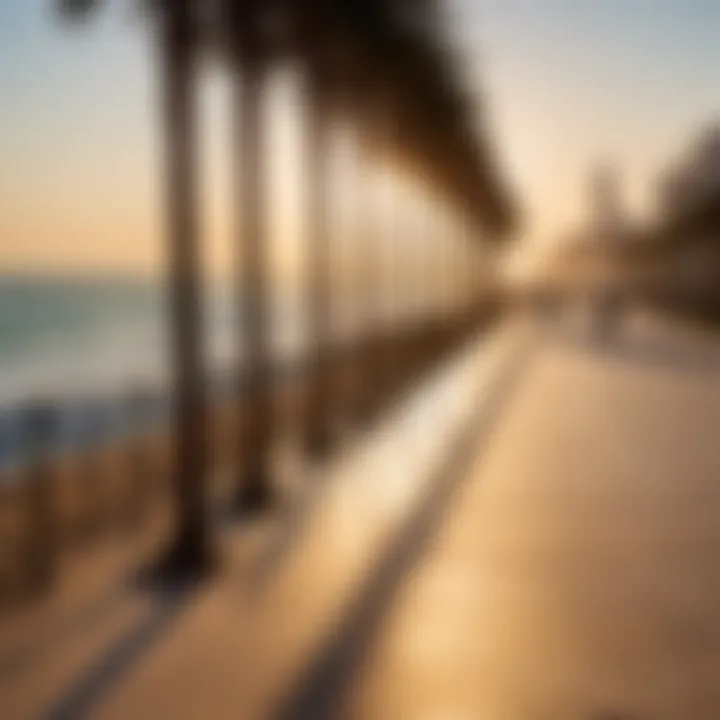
77,9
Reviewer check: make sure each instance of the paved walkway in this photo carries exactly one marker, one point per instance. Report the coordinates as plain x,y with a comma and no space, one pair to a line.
577,574
534,534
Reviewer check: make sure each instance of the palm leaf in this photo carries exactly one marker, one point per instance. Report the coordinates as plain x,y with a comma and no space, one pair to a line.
77,9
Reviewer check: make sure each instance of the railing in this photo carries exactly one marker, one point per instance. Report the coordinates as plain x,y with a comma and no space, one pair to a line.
394,80
87,471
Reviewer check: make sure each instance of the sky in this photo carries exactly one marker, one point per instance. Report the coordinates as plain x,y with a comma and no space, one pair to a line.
567,85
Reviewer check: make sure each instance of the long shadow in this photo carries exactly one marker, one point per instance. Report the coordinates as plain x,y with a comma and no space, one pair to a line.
620,347
322,686
108,670
297,519
301,511
69,627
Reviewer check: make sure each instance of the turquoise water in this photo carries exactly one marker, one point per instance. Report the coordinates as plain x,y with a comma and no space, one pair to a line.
45,321
63,336
84,343
69,339
60,336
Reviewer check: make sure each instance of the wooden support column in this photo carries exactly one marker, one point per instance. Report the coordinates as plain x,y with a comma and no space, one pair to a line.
319,417
255,358
190,552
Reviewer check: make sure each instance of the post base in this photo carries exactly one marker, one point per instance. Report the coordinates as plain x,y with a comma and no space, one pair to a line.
182,564
319,443
255,494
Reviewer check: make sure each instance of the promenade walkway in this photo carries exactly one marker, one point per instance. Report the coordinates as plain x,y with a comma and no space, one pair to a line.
533,533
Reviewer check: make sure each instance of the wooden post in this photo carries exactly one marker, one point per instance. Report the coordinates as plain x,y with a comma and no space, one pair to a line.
40,430
319,419
140,466
91,468
254,490
371,267
190,553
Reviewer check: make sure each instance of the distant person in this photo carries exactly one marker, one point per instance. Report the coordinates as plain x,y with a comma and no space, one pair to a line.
608,315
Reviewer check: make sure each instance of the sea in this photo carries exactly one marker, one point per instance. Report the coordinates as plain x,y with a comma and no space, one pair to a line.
87,342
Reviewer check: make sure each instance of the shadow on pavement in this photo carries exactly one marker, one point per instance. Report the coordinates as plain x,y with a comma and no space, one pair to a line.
67,628
321,688
108,669
621,347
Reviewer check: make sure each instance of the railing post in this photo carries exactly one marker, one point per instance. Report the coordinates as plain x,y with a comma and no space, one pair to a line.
139,459
40,430
91,468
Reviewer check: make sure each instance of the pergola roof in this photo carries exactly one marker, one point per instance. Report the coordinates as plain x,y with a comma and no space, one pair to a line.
396,51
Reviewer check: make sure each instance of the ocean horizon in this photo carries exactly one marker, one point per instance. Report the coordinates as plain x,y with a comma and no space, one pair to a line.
66,334
83,339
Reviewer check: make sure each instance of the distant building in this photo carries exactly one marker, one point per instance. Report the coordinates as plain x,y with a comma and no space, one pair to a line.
676,257
684,246
608,217
693,182
586,256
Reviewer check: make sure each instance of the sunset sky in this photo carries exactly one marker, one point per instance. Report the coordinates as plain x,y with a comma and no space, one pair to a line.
567,84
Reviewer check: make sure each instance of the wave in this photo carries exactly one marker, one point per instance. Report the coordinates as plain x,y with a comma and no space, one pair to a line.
86,345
